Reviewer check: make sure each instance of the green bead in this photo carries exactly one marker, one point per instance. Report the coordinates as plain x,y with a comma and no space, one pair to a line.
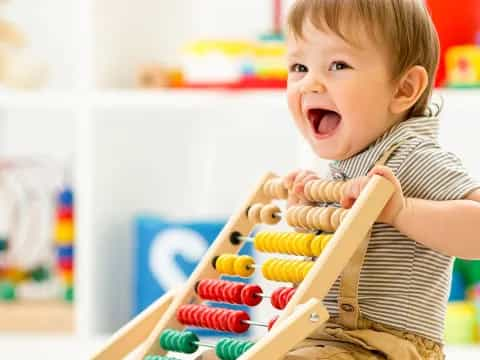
189,340
7,291
230,349
183,342
164,339
68,295
40,274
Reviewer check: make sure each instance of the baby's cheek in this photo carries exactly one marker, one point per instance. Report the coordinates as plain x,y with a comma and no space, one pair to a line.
294,105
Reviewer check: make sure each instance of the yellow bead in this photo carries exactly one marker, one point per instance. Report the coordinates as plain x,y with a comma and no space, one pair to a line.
66,276
224,264
242,266
316,245
64,232
325,240
14,275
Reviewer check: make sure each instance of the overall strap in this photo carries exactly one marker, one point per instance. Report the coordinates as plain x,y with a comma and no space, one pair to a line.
348,307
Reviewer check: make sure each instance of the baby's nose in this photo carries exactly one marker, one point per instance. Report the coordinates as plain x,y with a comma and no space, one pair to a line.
313,86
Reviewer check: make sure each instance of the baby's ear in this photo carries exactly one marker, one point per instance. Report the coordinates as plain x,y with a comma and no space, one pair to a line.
409,89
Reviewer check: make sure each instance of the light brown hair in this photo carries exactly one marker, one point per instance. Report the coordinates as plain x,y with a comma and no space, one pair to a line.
404,26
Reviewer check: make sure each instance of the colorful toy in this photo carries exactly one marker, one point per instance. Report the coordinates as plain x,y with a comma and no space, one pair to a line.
454,33
463,66
461,323
64,238
216,64
29,285
160,327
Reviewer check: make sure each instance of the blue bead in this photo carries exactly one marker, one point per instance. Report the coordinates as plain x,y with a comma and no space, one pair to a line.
65,251
66,197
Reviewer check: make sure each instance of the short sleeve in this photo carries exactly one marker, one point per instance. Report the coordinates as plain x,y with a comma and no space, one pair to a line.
431,173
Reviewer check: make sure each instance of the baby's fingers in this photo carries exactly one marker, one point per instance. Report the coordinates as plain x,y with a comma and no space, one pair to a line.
299,185
352,191
289,180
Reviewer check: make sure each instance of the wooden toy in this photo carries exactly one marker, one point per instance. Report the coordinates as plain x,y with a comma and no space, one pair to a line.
329,238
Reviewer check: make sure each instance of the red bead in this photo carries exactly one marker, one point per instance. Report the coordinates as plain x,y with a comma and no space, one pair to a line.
236,322
281,296
65,213
251,295
272,322
65,263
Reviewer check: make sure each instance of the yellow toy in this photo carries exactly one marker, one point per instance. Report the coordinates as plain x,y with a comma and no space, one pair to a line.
159,328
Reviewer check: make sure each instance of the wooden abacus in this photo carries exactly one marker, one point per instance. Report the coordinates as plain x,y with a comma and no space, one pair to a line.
159,328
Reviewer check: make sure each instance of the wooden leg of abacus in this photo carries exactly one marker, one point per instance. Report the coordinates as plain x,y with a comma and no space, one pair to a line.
135,332
222,244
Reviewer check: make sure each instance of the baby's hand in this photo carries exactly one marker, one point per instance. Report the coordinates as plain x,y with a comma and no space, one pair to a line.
295,183
394,206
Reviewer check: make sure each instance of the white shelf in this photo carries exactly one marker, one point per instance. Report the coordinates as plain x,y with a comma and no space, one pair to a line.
174,99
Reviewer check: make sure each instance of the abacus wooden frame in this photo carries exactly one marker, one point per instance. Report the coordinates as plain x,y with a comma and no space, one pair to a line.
304,313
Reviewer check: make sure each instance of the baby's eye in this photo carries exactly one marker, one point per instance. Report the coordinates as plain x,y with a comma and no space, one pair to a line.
298,68
338,65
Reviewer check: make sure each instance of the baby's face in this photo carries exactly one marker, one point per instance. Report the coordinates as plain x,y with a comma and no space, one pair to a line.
339,94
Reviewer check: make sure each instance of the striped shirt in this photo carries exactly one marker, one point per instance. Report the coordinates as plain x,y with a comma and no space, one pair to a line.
404,284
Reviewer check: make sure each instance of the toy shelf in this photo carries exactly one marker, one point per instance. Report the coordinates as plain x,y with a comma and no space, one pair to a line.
176,99
37,316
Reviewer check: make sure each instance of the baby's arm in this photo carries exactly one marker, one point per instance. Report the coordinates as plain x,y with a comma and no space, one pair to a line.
451,227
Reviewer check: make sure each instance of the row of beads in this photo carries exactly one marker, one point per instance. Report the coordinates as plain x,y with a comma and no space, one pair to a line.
315,190
213,318
230,264
187,342
315,218
293,271
264,214
301,244
241,294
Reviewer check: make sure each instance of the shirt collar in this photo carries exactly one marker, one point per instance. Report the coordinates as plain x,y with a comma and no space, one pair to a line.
361,163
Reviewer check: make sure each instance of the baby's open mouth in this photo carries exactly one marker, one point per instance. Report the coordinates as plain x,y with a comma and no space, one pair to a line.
323,122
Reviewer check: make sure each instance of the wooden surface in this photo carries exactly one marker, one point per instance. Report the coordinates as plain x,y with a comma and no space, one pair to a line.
36,316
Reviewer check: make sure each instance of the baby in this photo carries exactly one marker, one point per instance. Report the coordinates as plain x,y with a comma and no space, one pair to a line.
361,74
360,78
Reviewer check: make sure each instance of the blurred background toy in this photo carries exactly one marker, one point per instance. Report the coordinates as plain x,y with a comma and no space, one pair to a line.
463,66
222,63
463,310
453,33
36,243
18,69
